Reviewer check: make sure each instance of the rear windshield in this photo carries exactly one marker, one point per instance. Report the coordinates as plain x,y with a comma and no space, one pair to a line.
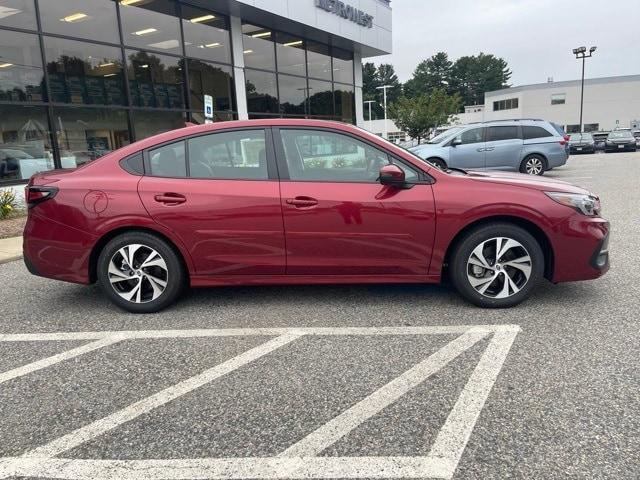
623,134
581,136
559,129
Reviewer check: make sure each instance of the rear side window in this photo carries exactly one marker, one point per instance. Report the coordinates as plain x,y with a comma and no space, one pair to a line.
133,164
495,134
529,132
239,155
168,161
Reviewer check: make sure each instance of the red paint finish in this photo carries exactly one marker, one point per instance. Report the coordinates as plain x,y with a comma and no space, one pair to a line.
276,231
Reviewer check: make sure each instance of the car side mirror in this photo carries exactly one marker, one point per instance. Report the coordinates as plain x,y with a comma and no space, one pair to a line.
456,141
392,175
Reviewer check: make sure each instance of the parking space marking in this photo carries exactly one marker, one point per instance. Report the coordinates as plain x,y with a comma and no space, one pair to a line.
300,460
60,357
325,436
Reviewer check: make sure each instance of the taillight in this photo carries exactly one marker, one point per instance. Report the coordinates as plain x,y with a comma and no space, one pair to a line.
35,195
566,139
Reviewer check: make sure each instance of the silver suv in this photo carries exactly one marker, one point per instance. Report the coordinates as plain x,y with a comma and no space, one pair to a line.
528,146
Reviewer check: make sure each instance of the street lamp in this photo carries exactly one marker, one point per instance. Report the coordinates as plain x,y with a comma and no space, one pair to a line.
384,90
369,102
581,52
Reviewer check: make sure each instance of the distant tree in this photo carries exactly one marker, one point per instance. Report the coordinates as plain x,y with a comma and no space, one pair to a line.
435,72
369,81
419,115
473,76
386,75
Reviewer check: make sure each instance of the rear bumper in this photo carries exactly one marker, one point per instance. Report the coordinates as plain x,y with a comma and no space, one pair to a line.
583,149
616,148
56,251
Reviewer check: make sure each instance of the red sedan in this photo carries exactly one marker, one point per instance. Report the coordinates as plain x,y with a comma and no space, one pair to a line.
302,202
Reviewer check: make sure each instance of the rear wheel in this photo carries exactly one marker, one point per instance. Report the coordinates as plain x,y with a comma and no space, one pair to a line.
140,272
497,265
533,165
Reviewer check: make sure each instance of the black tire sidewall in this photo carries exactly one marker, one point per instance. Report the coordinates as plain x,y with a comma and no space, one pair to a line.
523,165
438,162
175,283
476,236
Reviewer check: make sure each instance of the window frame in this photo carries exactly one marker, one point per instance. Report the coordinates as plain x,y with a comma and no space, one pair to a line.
272,168
283,167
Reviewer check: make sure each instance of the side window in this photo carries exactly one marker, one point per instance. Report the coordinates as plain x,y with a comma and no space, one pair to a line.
239,155
495,134
529,132
410,175
475,135
330,157
168,161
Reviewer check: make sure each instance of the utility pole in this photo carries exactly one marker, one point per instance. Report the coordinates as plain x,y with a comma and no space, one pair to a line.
384,90
581,53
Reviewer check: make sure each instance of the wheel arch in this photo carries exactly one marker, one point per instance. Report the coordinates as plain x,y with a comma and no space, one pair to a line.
107,237
531,227
436,157
536,153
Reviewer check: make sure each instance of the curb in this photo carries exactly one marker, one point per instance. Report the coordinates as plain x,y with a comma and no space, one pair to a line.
10,259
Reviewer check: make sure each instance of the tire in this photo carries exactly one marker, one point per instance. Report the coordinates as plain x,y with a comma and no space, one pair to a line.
533,165
152,287
488,288
438,162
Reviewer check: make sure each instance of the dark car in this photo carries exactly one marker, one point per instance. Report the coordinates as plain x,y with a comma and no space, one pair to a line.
620,141
600,138
285,201
582,143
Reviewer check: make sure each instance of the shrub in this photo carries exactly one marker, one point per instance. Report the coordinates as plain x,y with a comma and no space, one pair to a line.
7,203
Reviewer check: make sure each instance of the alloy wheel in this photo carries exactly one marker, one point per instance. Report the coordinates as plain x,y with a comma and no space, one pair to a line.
499,267
138,273
534,166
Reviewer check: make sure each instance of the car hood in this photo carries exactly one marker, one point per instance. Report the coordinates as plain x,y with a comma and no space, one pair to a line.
527,181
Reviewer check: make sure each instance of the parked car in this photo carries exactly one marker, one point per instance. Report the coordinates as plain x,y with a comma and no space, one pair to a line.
286,201
636,135
527,146
620,141
581,143
600,138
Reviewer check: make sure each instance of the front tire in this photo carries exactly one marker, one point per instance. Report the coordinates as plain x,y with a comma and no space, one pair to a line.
438,162
140,272
497,265
533,165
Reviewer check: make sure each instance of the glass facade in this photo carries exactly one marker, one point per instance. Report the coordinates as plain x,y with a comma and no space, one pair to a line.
80,79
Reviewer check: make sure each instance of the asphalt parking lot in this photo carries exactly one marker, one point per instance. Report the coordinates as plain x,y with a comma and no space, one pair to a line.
387,381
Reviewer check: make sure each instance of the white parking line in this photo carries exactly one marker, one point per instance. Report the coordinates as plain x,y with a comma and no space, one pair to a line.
136,409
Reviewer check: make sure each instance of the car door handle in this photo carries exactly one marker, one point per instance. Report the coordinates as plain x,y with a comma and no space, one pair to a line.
302,202
480,150
170,198
489,149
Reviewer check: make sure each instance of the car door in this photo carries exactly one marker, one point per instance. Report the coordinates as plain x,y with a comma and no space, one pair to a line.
338,219
466,150
503,147
219,193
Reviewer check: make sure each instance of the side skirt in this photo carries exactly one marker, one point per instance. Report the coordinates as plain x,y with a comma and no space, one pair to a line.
229,280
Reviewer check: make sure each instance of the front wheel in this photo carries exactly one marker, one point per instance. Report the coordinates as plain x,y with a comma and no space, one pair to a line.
438,162
533,165
140,272
497,265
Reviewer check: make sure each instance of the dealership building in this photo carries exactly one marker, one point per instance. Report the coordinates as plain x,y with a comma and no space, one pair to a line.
81,78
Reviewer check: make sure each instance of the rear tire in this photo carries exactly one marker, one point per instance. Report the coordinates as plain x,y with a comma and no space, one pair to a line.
140,272
505,281
533,165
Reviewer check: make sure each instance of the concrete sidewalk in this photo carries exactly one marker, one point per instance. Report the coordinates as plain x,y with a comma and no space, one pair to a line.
10,249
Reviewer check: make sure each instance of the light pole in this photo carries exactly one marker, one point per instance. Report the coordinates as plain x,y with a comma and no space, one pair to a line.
384,90
581,52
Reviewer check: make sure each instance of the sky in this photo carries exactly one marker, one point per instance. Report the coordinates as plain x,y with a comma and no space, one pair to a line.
535,37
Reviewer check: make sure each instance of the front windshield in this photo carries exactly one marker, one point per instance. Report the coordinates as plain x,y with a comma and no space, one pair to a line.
443,135
620,135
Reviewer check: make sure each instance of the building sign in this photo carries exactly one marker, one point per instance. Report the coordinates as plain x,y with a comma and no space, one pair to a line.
346,11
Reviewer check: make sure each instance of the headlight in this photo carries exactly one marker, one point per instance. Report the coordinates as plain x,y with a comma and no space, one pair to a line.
586,204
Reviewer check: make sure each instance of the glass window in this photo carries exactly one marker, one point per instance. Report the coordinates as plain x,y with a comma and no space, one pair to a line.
210,79
293,95
259,49
330,157
591,127
84,73
25,142
21,74
18,13
558,98
345,103
155,80
508,104
573,128
147,123
320,98
85,134
262,92
168,161
495,134
475,135
206,34
92,19
151,24
342,66
230,155
529,132
318,61
290,54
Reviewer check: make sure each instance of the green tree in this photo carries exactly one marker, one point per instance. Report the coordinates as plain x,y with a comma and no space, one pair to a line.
435,72
386,75
419,115
473,76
